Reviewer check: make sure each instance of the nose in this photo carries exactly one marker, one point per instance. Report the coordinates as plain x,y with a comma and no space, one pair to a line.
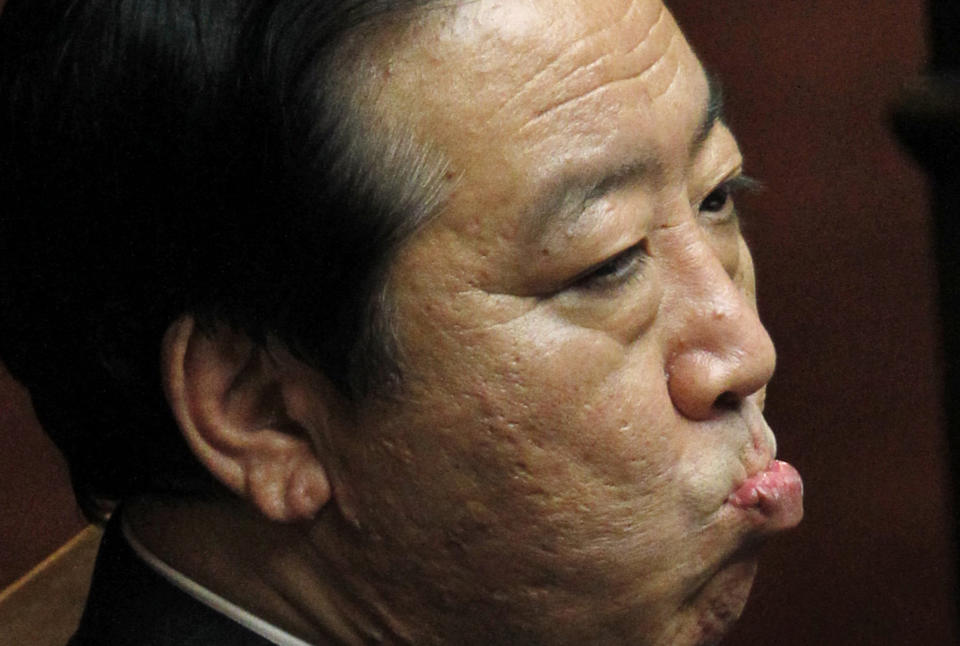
720,352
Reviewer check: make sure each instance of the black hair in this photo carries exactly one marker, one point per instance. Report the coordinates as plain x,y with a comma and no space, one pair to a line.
163,157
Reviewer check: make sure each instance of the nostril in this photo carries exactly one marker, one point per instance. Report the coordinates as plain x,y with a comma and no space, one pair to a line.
728,400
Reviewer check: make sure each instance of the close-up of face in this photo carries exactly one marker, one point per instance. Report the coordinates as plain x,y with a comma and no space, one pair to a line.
578,453
479,322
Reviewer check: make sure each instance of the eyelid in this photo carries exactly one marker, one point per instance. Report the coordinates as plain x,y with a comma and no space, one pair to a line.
734,183
632,257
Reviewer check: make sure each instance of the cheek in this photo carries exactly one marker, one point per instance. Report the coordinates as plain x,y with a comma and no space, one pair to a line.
570,428
623,316
547,418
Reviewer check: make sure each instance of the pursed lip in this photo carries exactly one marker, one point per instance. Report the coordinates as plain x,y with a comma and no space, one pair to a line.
772,497
771,494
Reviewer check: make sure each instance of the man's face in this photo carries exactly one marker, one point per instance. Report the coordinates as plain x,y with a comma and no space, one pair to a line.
583,363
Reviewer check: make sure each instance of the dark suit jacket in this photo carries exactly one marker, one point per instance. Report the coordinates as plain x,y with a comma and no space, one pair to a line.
131,605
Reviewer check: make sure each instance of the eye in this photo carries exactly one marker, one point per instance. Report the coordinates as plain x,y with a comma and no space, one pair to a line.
717,200
718,206
613,272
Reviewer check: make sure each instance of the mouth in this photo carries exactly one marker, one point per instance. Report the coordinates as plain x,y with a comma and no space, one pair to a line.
772,497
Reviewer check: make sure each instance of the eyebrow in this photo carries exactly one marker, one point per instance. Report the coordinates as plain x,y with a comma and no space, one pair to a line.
566,198
711,115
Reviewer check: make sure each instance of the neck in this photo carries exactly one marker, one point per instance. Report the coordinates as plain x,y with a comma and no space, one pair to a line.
282,573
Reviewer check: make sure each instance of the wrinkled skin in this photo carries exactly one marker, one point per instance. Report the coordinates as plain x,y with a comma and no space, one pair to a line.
583,369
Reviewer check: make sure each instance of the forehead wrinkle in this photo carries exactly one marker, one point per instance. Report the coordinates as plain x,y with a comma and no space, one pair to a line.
547,82
606,55
575,47
632,75
675,39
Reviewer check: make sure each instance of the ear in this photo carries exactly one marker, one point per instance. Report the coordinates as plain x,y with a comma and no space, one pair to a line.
228,397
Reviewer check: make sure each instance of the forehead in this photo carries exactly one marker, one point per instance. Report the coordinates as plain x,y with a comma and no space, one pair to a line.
530,92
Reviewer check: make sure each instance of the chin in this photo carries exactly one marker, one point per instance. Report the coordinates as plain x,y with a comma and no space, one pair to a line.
711,612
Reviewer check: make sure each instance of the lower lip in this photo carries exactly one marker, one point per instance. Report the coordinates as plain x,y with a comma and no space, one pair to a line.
774,496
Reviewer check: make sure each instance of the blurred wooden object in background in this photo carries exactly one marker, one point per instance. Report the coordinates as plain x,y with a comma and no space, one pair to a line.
38,513
43,608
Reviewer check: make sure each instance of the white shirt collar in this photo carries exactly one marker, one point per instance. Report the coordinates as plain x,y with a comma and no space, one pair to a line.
205,596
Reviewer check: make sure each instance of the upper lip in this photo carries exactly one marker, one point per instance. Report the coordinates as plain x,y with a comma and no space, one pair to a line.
763,441
761,451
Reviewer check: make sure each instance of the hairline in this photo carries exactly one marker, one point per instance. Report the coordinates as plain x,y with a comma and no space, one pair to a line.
405,169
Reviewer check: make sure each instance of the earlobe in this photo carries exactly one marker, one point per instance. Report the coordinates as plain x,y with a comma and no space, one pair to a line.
227,396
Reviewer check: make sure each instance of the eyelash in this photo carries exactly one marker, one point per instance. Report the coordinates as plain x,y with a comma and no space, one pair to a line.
616,271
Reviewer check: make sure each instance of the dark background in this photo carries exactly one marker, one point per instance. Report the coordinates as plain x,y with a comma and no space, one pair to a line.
842,241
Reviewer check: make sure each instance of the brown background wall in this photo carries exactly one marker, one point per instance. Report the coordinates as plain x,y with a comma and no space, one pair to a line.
841,239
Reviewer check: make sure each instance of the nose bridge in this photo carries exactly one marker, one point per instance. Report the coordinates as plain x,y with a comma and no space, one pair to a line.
719,352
